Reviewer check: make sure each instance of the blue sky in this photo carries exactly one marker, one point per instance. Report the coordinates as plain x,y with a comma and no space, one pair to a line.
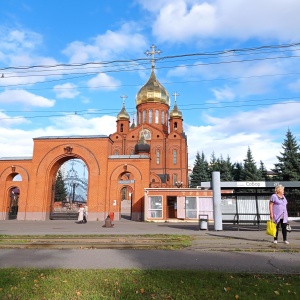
230,100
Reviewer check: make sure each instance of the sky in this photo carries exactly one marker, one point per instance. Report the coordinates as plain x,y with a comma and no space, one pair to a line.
64,66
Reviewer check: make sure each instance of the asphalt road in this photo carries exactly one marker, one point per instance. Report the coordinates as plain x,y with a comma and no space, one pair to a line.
247,250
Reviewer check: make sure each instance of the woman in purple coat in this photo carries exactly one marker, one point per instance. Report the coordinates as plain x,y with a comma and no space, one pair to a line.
278,212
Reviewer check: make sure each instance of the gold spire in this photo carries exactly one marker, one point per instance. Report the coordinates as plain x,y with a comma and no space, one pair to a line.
123,115
175,113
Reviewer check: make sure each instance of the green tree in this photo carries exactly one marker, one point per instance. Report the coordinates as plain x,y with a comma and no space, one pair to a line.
262,172
237,170
288,166
60,189
226,169
200,170
250,171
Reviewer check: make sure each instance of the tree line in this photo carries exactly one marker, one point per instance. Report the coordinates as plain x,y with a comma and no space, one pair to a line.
286,169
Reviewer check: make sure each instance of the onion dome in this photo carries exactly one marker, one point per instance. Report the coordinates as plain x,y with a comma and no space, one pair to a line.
175,112
123,115
152,92
142,146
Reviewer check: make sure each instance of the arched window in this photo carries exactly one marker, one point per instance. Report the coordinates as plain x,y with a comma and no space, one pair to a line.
175,126
174,157
121,129
157,157
156,116
144,116
162,117
140,118
150,116
116,152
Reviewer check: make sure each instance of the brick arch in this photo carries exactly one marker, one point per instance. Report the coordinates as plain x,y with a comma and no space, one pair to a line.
19,170
50,163
137,175
6,178
57,153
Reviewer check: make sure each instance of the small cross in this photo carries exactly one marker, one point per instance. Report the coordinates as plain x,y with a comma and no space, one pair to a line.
152,54
123,98
175,95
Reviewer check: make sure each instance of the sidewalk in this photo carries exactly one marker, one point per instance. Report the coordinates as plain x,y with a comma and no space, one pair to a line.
229,250
248,238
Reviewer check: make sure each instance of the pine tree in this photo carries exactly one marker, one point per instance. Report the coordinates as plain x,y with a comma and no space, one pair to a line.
250,172
237,171
200,170
262,171
226,169
288,167
60,189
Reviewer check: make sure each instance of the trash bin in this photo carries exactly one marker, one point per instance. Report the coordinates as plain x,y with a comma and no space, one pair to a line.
203,222
111,216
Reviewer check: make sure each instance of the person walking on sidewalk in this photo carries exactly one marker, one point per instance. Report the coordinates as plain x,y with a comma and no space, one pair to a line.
278,212
80,214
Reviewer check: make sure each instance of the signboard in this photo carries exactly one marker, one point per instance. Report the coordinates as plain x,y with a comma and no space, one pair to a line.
126,181
252,184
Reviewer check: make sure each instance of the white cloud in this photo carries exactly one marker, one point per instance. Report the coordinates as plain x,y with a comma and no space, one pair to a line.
104,82
183,20
108,45
258,129
8,121
67,90
17,142
25,98
225,93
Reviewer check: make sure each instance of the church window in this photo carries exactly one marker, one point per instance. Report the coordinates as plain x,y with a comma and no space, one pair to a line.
175,126
157,157
175,157
150,116
116,152
121,129
144,116
156,116
162,117
140,118
174,179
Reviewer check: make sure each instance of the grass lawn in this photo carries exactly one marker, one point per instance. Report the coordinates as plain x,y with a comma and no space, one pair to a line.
61,284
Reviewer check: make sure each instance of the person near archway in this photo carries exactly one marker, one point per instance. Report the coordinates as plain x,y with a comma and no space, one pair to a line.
108,222
85,213
80,214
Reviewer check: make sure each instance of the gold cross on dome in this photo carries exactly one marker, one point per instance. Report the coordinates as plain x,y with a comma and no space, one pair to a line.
152,53
123,99
175,96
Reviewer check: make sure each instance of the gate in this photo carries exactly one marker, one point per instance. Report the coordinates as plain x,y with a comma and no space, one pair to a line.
68,192
13,203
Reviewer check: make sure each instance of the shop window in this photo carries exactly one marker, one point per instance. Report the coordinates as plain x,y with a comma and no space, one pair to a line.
191,207
155,207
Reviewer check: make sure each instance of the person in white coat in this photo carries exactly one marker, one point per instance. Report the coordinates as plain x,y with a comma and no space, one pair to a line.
80,214
85,213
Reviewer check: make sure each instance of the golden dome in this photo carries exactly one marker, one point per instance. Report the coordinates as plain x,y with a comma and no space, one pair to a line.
175,113
152,92
123,115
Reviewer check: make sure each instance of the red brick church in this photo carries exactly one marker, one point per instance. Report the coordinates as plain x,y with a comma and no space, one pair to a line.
146,161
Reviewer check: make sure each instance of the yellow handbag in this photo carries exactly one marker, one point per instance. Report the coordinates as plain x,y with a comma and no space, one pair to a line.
271,228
